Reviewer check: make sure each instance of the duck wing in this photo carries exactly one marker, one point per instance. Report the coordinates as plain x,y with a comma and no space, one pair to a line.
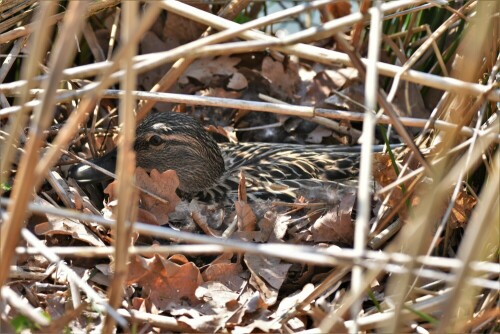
285,171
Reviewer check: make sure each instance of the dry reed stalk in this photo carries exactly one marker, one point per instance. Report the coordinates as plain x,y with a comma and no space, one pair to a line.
277,108
181,65
308,52
92,9
419,226
11,228
408,267
297,253
328,57
358,281
126,213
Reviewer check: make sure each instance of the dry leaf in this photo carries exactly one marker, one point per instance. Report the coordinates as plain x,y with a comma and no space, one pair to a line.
237,82
229,274
216,294
111,191
182,29
164,186
409,102
284,82
205,70
167,281
462,209
242,188
316,136
201,323
202,223
268,274
383,171
246,217
147,217
227,131
335,10
64,226
219,92
322,86
151,43
336,225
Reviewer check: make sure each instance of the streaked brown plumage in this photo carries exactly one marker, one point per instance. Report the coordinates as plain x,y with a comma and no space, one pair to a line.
208,170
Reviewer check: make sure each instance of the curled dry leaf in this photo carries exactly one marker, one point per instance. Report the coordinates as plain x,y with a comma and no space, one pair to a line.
462,209
383,171
246,217
336,225
147,217
111,191
227,131
201,221
206,70
338,9
219,92
167,282
284,81
384,174
152,210
229,274
268,274
64,226
242,188
164,186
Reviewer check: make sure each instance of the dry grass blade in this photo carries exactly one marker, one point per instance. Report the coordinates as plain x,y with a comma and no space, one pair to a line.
303,111
177,69
331,257
253,207
40,41
126,214
43,118
94,7
418,230
328,57
92,294
483,232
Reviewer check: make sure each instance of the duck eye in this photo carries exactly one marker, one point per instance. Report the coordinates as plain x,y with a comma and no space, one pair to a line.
155,140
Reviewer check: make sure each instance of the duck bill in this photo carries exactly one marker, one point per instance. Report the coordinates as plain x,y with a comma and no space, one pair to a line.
83,173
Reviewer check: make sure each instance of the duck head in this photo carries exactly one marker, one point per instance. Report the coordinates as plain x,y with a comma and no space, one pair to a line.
168,141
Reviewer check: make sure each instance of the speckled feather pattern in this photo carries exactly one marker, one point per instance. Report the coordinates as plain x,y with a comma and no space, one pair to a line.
279,171
210,171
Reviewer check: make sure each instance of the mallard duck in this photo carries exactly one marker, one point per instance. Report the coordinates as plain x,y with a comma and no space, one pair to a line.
208,170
